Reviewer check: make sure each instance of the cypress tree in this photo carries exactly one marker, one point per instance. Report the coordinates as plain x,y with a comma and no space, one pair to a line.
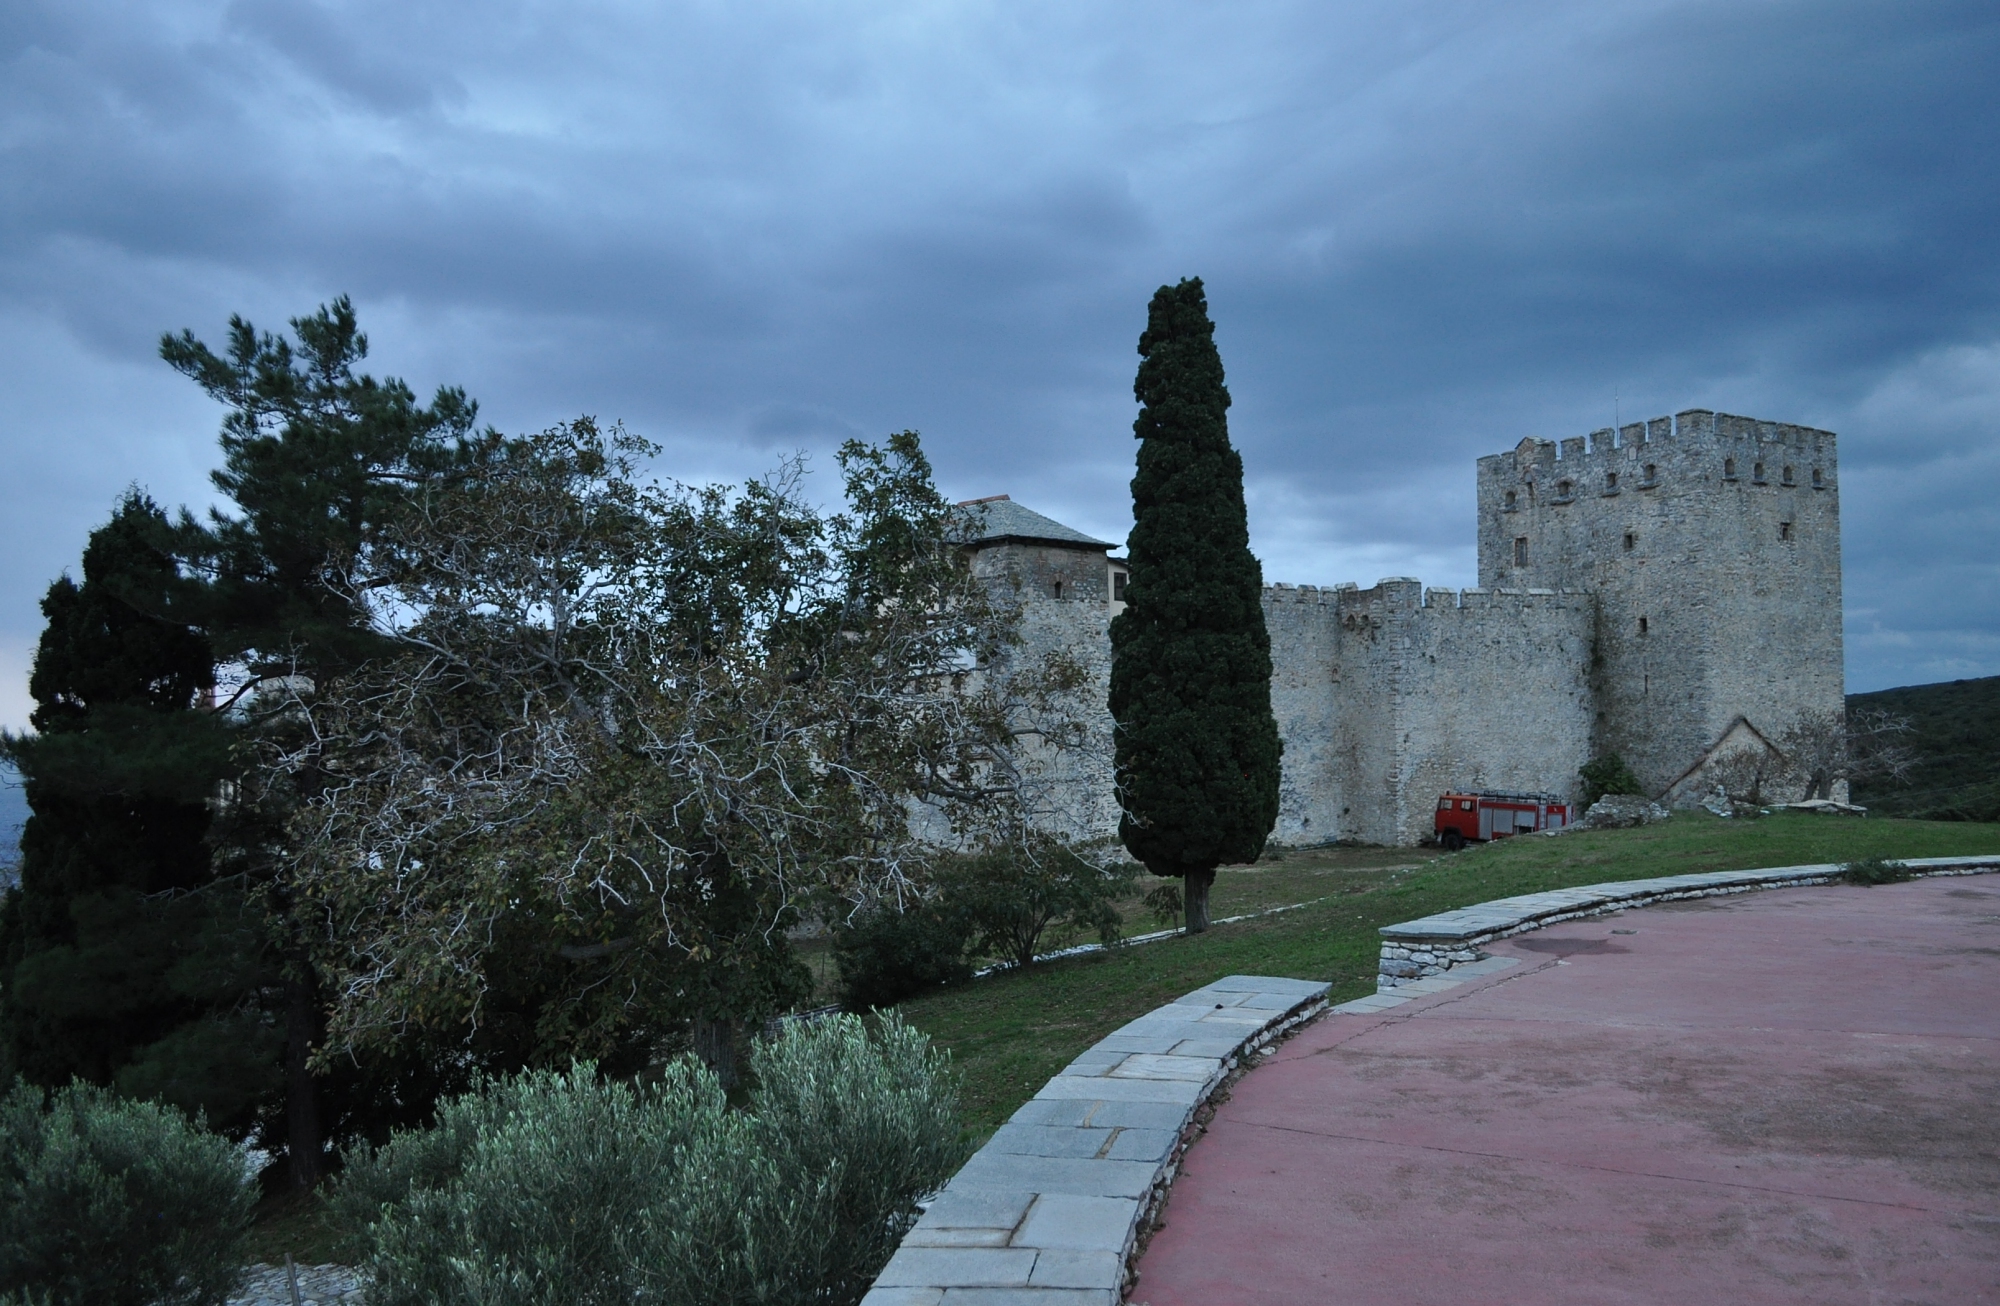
96,943
1197,746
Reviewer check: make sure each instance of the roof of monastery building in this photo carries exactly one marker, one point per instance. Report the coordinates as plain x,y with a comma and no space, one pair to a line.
999,519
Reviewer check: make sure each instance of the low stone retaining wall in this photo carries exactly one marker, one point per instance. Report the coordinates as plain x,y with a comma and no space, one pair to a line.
1047,1212
1422,950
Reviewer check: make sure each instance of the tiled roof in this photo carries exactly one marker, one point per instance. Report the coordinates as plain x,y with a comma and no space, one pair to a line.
1000,518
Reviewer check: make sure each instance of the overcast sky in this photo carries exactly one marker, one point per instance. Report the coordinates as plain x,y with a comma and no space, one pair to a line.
1427,230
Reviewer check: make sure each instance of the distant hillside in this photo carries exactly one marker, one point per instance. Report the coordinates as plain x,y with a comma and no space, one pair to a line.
1958,741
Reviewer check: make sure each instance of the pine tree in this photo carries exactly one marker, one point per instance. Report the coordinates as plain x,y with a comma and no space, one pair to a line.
316,458
96,945
1197,746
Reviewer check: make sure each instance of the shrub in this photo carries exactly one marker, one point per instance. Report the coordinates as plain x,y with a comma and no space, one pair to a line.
1012,893
885,955
532,1190
864,1128
1872,871
567,1189
113,1202
1606,775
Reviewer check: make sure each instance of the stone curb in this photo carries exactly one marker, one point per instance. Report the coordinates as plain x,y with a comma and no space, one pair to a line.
1414,953
1048,1211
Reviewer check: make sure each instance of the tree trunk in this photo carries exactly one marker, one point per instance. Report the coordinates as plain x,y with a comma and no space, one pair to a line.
303,1137
1194,898
715,1044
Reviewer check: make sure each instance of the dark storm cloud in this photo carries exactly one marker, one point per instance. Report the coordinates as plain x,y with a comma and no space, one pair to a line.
1427,230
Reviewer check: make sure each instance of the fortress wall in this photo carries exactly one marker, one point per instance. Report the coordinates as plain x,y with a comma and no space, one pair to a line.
1073,788
1304,666
1036,571
1717,581
1389,696
1495,695
1674,579
1371,672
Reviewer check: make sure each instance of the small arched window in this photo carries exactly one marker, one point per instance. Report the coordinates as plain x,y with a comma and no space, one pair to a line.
1562,489
1788,477
1819,479
1610,481
1728,469
1511,503
1652,473
1757,473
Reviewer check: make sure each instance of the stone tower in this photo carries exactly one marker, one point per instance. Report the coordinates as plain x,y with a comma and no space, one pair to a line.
1711,546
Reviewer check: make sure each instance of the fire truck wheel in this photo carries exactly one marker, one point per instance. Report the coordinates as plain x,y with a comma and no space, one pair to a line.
1452,841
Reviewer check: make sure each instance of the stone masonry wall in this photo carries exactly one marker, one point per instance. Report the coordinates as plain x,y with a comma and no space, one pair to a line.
1047,572
1670,592
1712,546
1389,696
1071,782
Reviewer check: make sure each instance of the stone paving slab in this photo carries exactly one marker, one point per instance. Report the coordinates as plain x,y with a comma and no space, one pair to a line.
319,1285
1105,1088
1046,1212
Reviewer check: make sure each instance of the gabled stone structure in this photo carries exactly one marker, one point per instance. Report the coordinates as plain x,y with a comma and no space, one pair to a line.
1670,592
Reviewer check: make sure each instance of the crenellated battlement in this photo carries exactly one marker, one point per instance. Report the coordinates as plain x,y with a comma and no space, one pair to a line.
1719,447
1409,594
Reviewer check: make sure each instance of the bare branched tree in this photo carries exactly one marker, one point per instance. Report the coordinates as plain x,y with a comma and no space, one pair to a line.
1854,746
1743,774
628,730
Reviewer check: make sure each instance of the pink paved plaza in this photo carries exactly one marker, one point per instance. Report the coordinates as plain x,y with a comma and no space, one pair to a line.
1775,1097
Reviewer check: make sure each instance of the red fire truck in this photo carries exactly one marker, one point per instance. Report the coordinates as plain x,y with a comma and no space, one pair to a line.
1469,817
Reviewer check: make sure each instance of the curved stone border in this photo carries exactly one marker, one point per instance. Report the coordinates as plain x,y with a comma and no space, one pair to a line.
1416,954
1046,1213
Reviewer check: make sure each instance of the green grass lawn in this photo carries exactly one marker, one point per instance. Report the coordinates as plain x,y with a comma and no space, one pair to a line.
1010,1032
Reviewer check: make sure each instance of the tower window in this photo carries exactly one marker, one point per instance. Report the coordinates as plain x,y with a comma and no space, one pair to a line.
1728,469
1611,482
1819,479
1520,550
1757,473
1511,502
1058,589
1631,541
1642,625
1652,472
1788,477
1784,530
1562,489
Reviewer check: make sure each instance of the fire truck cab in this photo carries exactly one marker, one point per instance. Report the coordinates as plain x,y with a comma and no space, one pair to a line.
1464,818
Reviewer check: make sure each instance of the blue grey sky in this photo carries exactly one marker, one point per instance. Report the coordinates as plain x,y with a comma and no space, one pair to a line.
1427,227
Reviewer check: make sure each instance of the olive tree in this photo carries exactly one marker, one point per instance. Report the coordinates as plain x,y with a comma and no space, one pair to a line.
628,731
